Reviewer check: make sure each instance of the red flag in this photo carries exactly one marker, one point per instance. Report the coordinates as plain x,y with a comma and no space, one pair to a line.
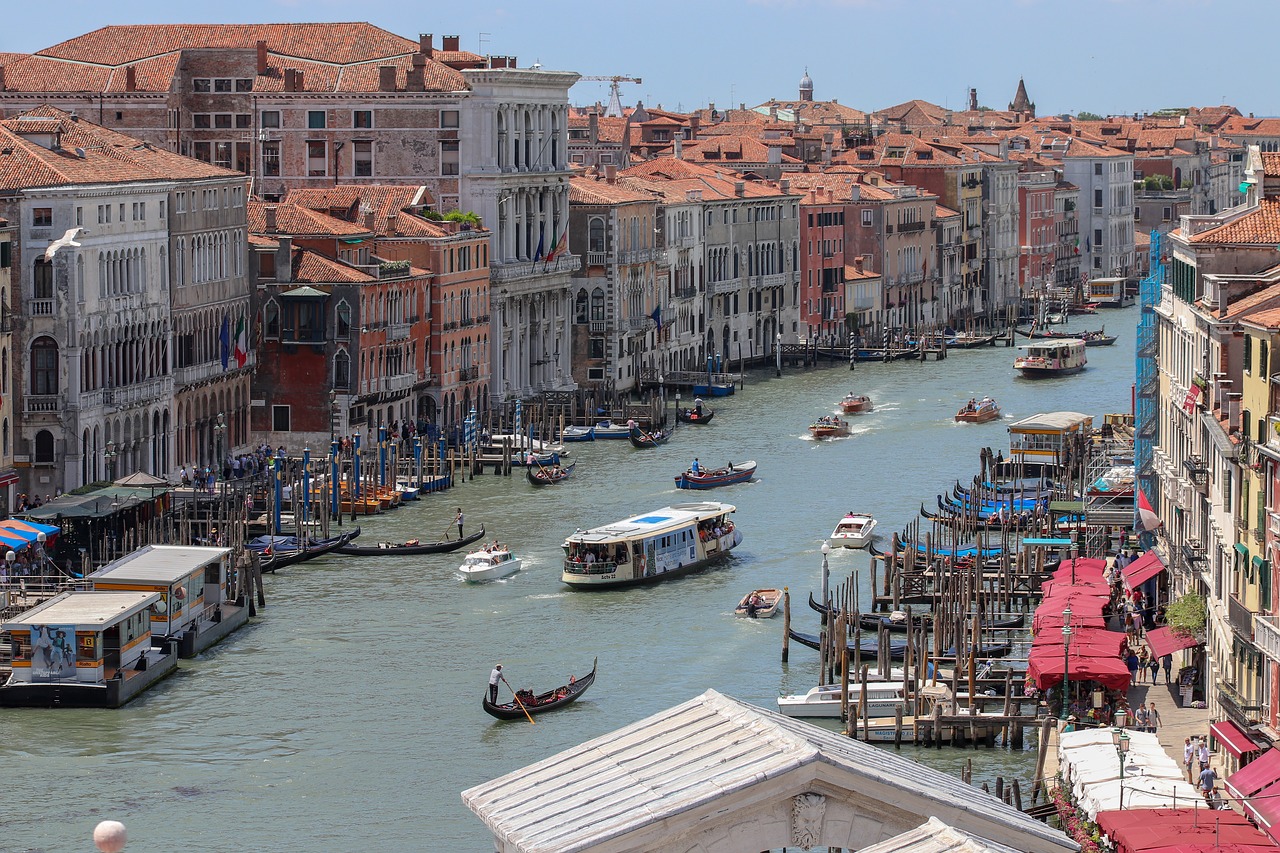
1193,397
1147,518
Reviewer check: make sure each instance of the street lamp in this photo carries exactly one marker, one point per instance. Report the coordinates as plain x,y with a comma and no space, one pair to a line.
219,430
1066,661
662,395
1120,741
40,552
109,456
826,573
777,349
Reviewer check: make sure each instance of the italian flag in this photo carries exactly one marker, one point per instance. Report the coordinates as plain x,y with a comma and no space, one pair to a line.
242,343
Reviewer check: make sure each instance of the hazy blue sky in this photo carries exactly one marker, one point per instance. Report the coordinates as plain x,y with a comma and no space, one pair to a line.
1105,56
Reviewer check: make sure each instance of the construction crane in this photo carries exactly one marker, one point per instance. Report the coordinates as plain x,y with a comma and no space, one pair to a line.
615,92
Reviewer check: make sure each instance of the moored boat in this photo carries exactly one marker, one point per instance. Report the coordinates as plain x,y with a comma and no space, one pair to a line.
883,699
578,433
853,531
869,647
413,546
734,472
541,702
489,564
759,603
642,439
829,426
855,404
610,430
978,411
544,475
1051,358
276,552
650,547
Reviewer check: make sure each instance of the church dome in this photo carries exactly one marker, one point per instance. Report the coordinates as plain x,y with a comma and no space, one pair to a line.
806,83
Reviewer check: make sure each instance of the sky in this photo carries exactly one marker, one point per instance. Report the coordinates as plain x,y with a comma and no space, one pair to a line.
1100,56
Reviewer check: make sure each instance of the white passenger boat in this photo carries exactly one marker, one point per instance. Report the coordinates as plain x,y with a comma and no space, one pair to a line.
649,547
1056,357
854,531
883,700
489,564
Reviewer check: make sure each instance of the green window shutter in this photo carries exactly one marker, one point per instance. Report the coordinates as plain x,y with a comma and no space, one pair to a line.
1264,585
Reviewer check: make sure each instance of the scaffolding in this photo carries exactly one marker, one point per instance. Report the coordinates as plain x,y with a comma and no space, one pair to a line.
1108,487
1147,419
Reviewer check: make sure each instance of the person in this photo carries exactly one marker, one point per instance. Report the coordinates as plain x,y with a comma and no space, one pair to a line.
697,406
1207,777
1154,664
1071,724
753,608
1188,755
1140,720
1167,663
458,521
1153,718
1203,754
494,678
697,469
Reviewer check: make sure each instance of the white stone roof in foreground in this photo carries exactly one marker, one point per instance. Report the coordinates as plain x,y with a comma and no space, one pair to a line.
934,836
713,765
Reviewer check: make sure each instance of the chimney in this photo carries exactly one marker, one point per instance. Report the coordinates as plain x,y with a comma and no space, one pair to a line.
262,57
694,123
855,193
130,79
371,221
611,174
774,156
449,44
679,150
1233,410
269,214
785,185
284,260
386,78
415,77
739,188
1,78
593,127
424,43
297,81
1223,293
857,264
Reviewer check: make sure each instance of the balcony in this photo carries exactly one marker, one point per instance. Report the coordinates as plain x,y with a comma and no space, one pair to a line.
598,327
42,403
398,331
1240,617
504,272
911,227
637,324
196,373
1197,472
40,307
774,280
686,292
729,285
1266,633
141,393
387,384
597,259
466,374
1238,709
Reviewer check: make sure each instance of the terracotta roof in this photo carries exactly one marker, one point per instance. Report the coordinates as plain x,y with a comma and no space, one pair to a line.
1264,297
673,180
1271,163
1241,126
817,113
314,268
1141,238
1260,226
585,190
108,156
259,240
732,149
608,128
1267,318
299,221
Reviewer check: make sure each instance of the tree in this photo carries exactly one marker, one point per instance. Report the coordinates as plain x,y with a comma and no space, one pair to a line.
1088,116
1186,615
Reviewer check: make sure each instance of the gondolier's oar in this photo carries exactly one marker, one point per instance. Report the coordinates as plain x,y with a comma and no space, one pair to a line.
516,696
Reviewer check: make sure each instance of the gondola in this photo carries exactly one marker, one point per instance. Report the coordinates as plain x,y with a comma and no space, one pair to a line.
1035,335
281,557
870,647
546,475
392,549
691,416
641,439
735,472
922,621
548,701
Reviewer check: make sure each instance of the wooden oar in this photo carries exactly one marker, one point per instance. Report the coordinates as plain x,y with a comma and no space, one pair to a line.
516,696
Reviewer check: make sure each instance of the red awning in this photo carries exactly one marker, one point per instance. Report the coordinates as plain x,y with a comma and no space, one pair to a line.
1143,569
1111,641
1233,738
1053,621
1255,775
1044,665
1186,829
1264,806
8,479
1163,641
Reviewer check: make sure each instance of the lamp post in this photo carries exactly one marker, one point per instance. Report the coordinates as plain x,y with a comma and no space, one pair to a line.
1066,662
9,558
1120,741
219,432
40,553
777,349
662,395
109,456
826,573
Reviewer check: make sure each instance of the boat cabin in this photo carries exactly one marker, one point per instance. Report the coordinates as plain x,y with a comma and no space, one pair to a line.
1041,438
192,583
1110,292
1052,357
85,649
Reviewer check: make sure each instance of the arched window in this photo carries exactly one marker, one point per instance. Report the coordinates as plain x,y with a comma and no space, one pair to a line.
42,279
44,446
343,324
271,320
595,234
597,305
44,366
4,438
4,370
341,370
580,307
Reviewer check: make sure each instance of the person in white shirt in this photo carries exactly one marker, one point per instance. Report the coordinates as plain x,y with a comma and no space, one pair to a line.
494,678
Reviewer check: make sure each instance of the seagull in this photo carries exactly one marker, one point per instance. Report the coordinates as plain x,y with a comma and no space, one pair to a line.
68,239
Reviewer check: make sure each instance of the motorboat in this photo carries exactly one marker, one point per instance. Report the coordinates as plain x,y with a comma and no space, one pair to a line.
578,433
855,404
854,531
978,411
608,429
883,698
829,426
489,564
759,603
1060,357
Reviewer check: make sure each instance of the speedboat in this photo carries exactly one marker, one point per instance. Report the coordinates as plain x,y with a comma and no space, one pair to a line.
883,699
978,411
855,404
854,531
489,564
765,602
829,426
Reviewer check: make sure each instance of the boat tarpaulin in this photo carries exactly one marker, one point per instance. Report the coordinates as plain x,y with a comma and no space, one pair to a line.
1165,641
1143,569
1256,775
1234,739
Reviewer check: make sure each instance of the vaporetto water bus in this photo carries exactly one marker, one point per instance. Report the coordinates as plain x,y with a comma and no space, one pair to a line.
650,547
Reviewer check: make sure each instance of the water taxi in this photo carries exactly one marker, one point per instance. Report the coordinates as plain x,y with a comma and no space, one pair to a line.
829,426
1051,358
650,547
883,699
759,603
855,404
489,564
854,531
978,411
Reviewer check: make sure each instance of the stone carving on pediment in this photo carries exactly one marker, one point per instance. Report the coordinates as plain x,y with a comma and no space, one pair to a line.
807,811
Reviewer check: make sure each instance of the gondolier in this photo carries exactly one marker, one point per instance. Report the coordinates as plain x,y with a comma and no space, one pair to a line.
494,678
458,521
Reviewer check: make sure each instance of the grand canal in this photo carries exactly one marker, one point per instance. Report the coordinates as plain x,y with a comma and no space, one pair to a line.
349,714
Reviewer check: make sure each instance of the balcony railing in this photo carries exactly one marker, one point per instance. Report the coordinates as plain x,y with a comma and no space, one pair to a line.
597,259
1237,708
466,374
598,326
397,331
686,292
40,307
42,403
1266,633
1240,617
729,285
774,280
508,271
637,324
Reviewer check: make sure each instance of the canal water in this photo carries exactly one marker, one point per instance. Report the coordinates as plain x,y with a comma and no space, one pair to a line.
349,714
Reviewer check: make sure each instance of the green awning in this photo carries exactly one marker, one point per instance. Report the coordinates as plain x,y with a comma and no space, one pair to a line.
1066,506
98,503
353,241
1242,549
306,291
1257,562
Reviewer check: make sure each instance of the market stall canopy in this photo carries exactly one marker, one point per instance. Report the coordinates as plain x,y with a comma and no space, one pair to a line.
1256,775
33,526
1166,641
1045,668
1143,569
1055,588
99,503
1233,739
1051,621
141,479
1112,642
1182,829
